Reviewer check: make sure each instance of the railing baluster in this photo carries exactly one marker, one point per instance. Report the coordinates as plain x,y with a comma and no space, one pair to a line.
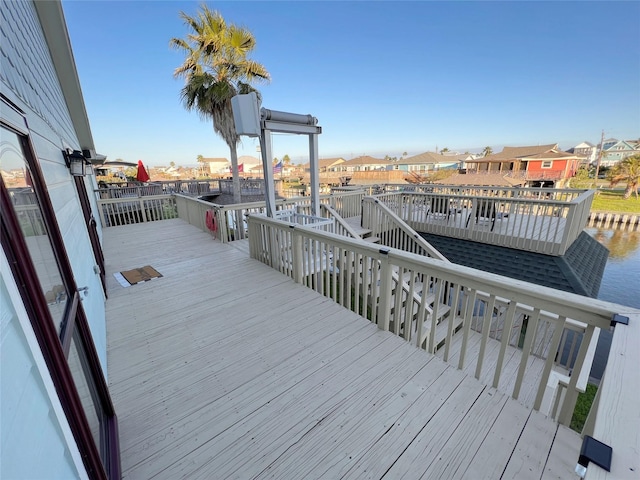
466,326
532,325
548,364
509,317
486,327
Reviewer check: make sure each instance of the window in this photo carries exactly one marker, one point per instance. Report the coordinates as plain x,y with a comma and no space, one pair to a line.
19,185
547,164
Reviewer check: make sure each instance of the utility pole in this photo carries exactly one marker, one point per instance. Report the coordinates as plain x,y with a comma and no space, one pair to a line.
599,159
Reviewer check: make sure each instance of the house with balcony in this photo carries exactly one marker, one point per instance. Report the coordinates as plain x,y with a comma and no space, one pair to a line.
542,165
286,346
614,152
587,150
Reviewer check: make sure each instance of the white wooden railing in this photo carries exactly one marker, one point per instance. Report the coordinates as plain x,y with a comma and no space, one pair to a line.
392,231
360,277
341,227
523,222
557,194
124,211
31,221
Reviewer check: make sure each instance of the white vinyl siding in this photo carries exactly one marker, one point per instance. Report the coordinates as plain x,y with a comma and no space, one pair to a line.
36,441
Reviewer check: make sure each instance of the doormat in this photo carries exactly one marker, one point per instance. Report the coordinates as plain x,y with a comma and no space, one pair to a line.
137,275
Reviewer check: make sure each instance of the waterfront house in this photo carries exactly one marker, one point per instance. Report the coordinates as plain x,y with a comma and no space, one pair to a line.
426,162
542,165
363,163
325,164
615,152
587,150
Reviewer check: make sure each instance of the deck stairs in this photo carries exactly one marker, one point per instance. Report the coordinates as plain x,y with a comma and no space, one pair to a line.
408,294
364,233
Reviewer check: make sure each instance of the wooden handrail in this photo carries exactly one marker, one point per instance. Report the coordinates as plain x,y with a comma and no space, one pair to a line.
386,221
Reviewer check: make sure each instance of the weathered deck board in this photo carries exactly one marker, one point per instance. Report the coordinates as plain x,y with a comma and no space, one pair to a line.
224,368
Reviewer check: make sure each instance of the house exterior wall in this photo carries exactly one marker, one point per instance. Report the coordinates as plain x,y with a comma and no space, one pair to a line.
28,78
36,439
556,166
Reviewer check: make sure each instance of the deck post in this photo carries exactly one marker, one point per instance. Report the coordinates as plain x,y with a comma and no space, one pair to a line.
385,290
297,260
571,396
143,211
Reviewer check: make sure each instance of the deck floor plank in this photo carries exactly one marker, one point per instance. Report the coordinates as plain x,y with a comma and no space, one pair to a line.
224,368
532,450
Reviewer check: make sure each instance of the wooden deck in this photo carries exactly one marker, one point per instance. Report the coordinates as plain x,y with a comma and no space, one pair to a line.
224,368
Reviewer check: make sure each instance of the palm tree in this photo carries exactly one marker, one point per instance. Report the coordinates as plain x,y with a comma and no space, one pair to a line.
215,69
487,151
444,150
627,170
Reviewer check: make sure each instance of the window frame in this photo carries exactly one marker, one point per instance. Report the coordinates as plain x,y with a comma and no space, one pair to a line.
549,162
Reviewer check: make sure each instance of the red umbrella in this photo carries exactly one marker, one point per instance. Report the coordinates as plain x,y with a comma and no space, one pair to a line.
142,175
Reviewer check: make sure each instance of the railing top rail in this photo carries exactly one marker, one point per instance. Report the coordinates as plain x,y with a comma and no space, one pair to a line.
133,198
437,186
583,196
592,311
519,199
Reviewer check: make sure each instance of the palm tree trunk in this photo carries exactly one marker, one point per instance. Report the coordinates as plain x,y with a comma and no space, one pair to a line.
237,194
628,191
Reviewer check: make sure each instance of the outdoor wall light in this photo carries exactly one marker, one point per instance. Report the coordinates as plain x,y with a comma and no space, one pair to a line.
75,161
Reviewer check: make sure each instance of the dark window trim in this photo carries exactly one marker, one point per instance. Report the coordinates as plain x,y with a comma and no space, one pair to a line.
90,222
24,272
51,345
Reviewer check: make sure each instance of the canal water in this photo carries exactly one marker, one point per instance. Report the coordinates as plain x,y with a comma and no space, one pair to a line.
620,281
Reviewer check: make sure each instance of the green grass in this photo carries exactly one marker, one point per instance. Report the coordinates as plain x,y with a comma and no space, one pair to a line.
583,405
612,201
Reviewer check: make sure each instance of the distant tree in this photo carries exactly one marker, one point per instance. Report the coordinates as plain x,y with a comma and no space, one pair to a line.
444,150
286,161
627,170
404,154
216,68
201,168
487,151
172,164
581,179
130,173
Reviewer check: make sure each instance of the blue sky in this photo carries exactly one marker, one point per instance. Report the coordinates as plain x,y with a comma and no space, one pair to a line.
382,78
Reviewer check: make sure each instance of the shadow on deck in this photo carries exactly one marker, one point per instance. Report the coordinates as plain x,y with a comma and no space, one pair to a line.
226,368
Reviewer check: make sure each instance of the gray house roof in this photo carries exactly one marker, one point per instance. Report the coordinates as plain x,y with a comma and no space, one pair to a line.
579,270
